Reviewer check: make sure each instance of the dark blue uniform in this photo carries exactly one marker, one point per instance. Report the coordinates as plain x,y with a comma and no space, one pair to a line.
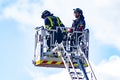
79,24
52,22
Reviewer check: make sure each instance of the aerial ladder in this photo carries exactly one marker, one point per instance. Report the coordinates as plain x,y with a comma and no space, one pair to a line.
71,54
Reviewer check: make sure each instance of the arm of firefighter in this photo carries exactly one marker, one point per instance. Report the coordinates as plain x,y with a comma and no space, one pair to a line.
47,23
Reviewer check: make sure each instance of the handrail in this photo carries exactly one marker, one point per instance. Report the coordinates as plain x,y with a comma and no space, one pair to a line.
52,42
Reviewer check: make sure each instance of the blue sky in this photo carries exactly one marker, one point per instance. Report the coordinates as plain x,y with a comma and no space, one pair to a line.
18,19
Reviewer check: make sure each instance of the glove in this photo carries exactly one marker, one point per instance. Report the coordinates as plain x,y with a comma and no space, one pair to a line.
70,30
81,28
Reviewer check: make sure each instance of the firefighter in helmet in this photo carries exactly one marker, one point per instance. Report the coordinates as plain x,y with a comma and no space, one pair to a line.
51,23
77,25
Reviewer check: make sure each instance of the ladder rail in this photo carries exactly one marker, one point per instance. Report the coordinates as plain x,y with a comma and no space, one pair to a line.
72,66
66,66
87,61
82,68
67,54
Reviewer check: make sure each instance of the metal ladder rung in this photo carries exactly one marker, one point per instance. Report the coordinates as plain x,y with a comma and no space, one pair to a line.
80,78
79,73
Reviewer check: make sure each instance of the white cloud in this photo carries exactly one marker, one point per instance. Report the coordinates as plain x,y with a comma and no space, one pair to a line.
23,12
105,2
106,70
106,29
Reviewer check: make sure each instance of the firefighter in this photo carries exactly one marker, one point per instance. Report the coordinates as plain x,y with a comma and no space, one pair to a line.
79,25
51,23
